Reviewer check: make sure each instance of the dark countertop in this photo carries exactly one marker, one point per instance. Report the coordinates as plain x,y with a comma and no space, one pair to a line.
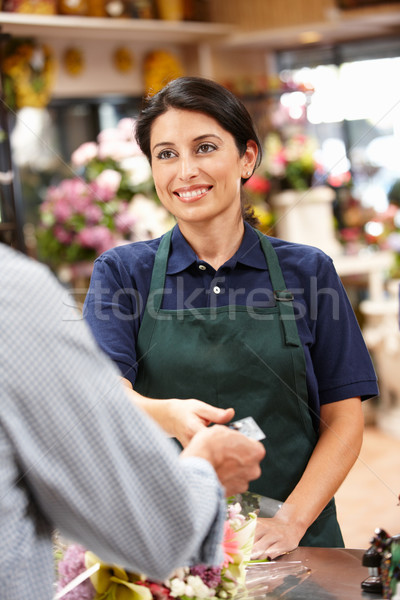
318,574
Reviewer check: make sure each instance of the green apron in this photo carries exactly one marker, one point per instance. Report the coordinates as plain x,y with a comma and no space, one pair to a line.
247,358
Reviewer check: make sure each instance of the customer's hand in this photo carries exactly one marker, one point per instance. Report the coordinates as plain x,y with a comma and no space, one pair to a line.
276,536
235,458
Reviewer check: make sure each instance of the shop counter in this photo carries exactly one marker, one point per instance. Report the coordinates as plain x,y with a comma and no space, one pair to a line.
327,574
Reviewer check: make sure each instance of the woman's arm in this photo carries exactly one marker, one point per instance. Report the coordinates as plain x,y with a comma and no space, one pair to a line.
180,418
340,439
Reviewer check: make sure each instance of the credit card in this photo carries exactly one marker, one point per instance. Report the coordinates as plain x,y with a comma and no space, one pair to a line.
249,428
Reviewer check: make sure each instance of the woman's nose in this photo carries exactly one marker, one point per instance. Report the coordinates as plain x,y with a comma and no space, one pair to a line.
187,167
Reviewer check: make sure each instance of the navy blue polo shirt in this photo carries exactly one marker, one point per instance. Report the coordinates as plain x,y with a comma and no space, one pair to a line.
338,364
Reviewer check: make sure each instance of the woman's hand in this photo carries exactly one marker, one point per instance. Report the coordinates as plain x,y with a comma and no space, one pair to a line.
275,536
187,417
181,419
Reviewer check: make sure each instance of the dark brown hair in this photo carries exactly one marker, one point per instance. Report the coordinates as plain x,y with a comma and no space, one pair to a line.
208,97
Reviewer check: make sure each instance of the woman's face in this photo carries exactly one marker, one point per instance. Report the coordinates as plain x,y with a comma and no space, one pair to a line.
196,166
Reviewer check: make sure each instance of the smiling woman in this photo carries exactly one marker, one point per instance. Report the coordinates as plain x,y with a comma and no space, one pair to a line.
197,172
215,316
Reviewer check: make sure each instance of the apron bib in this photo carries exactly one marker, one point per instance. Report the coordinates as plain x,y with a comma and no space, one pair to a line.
247,358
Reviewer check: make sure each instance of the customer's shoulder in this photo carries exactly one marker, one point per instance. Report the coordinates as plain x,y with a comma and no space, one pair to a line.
22,270
27,285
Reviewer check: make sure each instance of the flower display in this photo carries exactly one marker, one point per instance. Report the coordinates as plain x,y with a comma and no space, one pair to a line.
29,70
289,164
187,583
85,215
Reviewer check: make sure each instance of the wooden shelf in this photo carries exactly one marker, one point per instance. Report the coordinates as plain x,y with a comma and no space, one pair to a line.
339,26
71,27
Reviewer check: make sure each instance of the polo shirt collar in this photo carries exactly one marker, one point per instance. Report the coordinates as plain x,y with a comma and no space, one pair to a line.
249,253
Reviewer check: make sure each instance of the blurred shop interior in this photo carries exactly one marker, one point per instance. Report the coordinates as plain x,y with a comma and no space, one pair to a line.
321,79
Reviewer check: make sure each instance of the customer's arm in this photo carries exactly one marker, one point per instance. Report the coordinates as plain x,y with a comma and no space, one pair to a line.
97,467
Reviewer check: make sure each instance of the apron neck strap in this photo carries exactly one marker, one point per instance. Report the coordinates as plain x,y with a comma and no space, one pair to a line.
155,297
282,295
160,269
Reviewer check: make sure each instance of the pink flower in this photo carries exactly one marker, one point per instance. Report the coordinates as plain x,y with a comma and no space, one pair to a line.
211,576
350,234
112,134
84,154
393,241
230,545
93,214
72,565
62,210
63,236
124,220
99,237
258,184
158,590
127,127
74,187
71,196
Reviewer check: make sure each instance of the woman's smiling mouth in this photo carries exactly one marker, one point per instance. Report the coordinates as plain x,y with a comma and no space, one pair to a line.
192,194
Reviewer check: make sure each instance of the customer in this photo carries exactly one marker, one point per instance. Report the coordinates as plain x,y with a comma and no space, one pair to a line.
216,311
77,455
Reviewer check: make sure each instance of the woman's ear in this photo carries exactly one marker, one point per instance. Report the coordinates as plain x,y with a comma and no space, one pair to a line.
249,158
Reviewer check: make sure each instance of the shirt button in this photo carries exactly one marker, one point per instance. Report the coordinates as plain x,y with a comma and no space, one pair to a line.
202,267
216,289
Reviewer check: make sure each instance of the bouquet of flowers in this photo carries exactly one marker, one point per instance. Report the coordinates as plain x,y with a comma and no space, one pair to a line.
289,164
83,576
85,215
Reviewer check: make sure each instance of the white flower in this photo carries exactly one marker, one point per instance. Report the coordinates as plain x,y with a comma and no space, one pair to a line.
234,510
137,169
189,591
177,587
151,220
181,572
198,587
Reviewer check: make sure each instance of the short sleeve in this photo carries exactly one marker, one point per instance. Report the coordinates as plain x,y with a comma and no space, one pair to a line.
112,309
341,360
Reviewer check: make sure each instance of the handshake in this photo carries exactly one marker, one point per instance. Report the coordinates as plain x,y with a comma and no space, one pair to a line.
234,456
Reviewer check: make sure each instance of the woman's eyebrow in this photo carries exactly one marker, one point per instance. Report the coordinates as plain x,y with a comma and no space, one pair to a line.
196,139
162,144
207,135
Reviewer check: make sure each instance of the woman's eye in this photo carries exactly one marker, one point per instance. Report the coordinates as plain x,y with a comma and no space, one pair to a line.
165,154
206,148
